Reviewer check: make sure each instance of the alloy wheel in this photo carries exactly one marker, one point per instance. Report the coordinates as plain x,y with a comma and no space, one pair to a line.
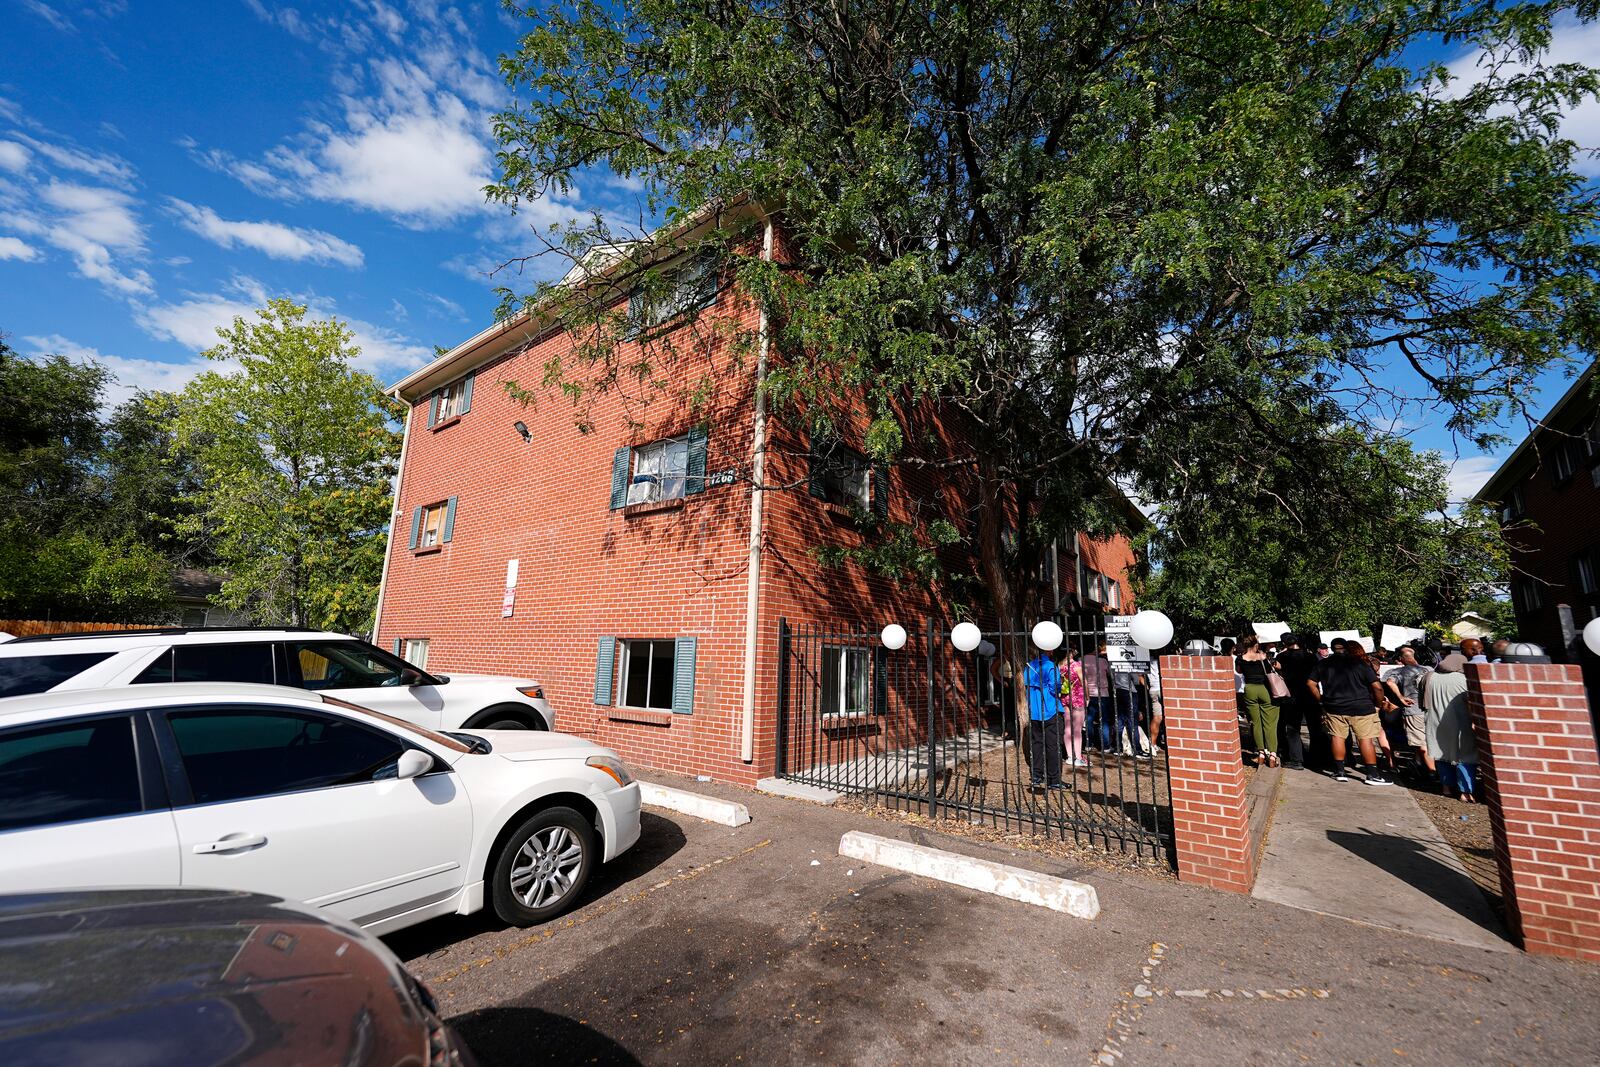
546,866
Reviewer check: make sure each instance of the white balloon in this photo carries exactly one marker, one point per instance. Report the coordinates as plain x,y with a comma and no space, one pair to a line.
894,636
1047,635
1591,635
1150,630
965,636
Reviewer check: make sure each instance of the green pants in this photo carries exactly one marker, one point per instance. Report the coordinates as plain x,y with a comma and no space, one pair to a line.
1263,717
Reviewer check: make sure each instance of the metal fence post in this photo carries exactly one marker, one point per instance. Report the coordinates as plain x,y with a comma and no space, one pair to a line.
933,736
782,757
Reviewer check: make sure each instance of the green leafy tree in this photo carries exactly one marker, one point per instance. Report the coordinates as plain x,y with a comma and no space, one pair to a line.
1168,246
1375,544
64,552
295,450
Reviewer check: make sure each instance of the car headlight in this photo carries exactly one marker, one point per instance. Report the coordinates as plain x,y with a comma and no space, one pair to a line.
612,766
535,692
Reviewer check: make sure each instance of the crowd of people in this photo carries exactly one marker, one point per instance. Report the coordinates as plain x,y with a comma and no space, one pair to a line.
1405,710
1400,713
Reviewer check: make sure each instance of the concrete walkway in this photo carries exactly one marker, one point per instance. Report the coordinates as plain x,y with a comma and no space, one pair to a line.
1370,854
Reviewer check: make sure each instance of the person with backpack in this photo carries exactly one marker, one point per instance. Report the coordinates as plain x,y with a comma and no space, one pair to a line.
1074,705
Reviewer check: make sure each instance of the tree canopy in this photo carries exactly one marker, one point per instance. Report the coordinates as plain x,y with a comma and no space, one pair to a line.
1172,246
295,451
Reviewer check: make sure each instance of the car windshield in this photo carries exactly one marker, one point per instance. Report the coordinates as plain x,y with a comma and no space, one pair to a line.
410,727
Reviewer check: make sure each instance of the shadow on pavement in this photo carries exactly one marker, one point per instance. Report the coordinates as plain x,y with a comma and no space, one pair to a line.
515,1037
659,840
1409,861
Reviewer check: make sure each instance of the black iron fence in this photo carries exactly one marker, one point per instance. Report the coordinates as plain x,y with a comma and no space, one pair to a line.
934,729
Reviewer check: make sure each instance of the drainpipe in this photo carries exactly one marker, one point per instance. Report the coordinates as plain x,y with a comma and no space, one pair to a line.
394,519
758,470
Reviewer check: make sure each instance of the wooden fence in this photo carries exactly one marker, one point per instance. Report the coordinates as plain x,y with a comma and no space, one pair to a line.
35,627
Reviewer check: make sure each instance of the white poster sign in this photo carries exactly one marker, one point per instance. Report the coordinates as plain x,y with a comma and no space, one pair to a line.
1349,635
1269,632
1123,654
1395,636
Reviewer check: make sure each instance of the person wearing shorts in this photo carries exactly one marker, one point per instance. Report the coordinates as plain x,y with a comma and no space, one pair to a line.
1351,694
1408,681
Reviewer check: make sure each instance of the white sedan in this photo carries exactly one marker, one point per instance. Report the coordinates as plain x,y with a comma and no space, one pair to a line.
282,791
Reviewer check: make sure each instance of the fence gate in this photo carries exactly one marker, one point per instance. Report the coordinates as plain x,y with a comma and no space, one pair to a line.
932,729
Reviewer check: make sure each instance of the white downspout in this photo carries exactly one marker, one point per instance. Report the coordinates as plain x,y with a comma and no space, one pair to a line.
394,518
758,470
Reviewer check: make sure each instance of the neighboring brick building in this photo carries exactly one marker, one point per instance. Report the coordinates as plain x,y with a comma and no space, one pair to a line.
1548,496
628,527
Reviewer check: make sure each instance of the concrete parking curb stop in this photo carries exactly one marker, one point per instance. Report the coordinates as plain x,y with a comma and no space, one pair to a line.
783,787
1030,887
710,809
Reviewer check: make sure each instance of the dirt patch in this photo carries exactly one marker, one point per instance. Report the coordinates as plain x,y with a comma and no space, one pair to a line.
1466,828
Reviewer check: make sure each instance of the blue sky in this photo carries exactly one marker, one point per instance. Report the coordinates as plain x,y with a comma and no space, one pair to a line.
165,166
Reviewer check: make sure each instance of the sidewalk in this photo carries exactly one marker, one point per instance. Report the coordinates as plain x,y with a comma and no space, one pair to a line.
1371,855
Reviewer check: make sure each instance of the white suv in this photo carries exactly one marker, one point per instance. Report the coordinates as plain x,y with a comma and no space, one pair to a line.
323,662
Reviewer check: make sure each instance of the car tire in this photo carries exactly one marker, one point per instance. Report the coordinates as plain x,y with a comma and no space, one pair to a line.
537,861
510,717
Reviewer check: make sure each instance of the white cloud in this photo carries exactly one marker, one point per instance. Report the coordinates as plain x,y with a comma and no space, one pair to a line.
88,222
13,156
17,248
50,15
1571,42
131,375
1468,474
103,166
273,238
193,322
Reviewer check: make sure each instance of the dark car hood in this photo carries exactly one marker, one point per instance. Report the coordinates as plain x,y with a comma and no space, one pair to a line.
134,977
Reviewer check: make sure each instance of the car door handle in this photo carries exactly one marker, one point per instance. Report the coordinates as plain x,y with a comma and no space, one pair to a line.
232,843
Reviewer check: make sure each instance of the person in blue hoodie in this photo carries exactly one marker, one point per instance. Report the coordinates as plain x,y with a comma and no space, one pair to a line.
1043,679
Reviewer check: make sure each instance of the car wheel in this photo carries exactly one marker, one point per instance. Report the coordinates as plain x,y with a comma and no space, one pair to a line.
510,718
543,866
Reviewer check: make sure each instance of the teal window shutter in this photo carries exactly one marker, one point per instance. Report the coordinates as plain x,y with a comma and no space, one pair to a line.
449,521
397,646
605,664
880,680
818,472
880,490
433,408
466,393
683,677
695,468
416,526
619,478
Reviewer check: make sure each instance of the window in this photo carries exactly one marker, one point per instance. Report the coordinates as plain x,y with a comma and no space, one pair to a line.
1585,575
840,475
845,680
342,665
1563,464
66,772
415,652
212,663
659,471
432,526
1526,596
21,675
1511,507
647,674
687,285
237,754
451,401
1113,593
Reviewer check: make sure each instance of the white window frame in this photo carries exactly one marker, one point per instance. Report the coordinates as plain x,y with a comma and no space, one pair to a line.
414,650
1513,506
679,293
836,704
1563,461
450,400
846,476
626,647
1113,592
652,477
430,534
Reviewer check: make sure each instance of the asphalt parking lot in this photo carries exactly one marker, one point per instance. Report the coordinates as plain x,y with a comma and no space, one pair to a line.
759,944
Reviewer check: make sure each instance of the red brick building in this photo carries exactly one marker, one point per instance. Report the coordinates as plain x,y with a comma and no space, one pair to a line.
604,546
1548,497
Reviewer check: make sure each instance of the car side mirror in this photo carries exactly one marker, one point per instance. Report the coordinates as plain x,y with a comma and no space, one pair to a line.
410,676
413,762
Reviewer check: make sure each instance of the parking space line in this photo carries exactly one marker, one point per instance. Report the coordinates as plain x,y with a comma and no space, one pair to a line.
544,933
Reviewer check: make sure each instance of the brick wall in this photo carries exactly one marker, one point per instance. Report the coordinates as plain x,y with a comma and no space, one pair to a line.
1210,812
1541,776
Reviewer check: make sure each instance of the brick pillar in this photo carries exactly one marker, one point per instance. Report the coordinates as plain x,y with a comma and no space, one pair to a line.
1210,815
1539,771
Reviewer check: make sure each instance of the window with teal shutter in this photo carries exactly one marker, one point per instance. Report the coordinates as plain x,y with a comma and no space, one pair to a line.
880,490
683,676
605,664
416,526
433,408
695,467
449,520
621,463
466,393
